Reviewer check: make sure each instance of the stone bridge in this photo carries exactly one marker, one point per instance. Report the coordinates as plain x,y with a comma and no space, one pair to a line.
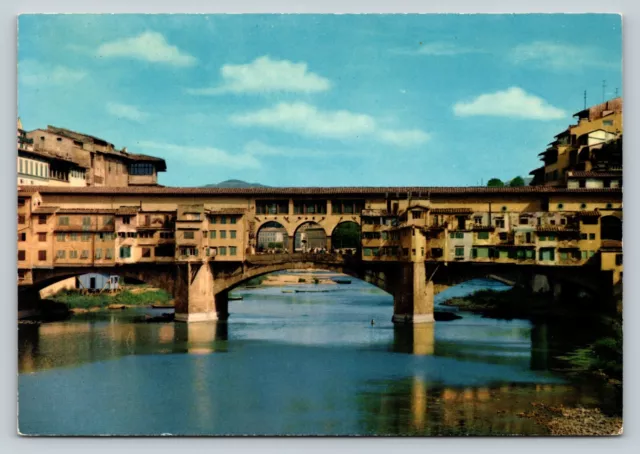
200,288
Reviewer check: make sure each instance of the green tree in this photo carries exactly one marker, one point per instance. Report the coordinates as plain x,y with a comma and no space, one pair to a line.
495,183
517,182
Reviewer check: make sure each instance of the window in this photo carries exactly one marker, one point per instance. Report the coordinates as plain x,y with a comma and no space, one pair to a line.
122,234
233,219
583,236
592,236
86,237
223,220
126,220
107,220
22,255
233,250
609,206
86,220
367,252
504,208
98,254
42,219
20,165
618,259
146,252
63,220
477,220
483,235
166,236
223,234
132,234
607,122
500,223
60,254
85,254
141,169
563,221
60,237
564,255
108,253
591,254
222,250
212,234
417,214
166,250
583,206
213,219
232,234
125,252
73,236
552,221
73,254
523,220
560,206
188,235
459,251
42,237
21,219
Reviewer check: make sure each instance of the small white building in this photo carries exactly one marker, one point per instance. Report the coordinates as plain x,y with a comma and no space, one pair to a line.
98,282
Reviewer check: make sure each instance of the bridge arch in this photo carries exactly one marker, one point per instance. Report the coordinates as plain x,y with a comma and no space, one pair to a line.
271,235
611,228
309,235
346,234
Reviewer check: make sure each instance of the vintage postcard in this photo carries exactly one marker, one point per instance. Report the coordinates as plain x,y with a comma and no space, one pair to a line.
319,225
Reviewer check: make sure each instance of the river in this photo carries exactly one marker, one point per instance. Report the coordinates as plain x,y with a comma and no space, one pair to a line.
292,364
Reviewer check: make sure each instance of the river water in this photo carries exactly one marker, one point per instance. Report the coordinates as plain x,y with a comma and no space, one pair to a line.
292,364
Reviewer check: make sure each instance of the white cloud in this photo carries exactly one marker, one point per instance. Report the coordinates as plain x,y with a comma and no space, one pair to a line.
126,111
561,56
404,138
148,46
513,102
305,119
266,75
203,155
36,74
438,49
258,148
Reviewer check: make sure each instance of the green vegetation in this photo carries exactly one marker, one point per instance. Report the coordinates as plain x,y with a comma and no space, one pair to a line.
495,183
275,246
316,280
517,182
346,235
513,303
74,299
602,358
498,183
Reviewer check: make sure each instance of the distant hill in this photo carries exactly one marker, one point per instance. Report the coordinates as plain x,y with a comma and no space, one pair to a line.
235,184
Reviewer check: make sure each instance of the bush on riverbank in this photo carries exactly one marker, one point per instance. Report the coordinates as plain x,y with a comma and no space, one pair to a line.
74,299
513,303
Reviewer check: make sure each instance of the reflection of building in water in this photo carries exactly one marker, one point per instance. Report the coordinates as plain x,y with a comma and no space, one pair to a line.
418,339
199,338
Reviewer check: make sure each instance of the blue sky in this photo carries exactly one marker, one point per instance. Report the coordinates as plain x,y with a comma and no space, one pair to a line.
320,100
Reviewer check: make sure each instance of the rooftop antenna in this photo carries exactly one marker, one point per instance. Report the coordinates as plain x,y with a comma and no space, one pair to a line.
585,99
616,92
604,86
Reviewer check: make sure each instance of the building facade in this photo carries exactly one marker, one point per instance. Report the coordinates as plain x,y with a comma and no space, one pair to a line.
61,157
588,153
92,227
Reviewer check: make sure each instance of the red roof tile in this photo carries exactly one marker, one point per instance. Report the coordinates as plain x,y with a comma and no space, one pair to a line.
583,174
320,191
451,211
87,211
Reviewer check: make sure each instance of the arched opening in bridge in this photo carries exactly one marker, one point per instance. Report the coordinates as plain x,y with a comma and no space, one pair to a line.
346,236
272,236
610,228
310,236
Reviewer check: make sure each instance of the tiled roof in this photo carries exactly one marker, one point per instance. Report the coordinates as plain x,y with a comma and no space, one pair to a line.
451,211
87,210
228,211
583,174
347,191
128,210
45,210
611,244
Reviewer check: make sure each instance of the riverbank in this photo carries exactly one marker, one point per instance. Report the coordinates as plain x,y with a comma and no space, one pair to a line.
304,278
78,302
574,421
